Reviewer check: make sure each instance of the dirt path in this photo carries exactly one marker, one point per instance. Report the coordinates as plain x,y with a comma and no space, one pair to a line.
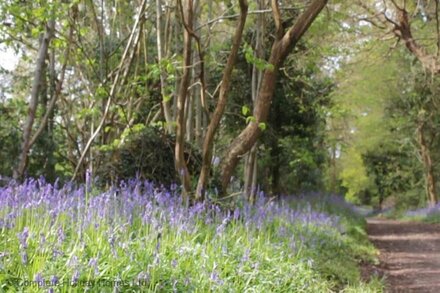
409,254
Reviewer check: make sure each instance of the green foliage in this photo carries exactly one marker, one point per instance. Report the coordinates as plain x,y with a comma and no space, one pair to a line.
259,63
106,238
295,136
143,152
10,138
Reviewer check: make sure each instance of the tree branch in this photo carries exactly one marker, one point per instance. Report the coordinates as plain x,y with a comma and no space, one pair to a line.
221,104
130,45
279,29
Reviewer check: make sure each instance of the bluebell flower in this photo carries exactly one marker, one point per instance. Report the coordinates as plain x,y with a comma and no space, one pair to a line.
24,258
38,278
23,237
75,277
54,280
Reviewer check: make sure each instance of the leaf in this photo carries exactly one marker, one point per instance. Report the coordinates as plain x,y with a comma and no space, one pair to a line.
35,32
167,98
262,126
245,110
250,119
170,68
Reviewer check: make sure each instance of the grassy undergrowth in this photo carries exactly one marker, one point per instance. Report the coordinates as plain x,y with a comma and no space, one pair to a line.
139,238
428,215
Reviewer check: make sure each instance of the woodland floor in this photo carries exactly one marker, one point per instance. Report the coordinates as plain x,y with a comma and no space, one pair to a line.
409,254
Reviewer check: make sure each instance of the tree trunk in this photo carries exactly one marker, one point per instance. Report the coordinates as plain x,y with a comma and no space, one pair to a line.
427,164
189,115
119,80
250,175
251,166
283,45
275,167
33,103
160,53
208,142
179,158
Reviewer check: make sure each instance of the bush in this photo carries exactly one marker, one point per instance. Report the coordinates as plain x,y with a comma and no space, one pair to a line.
147,154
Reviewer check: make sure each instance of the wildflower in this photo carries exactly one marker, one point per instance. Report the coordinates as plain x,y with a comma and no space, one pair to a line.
61,236
24,258
236,214
93,264
73,261
54,280
143,278
75,277
221,228
246,256
42,239
56,253
215,276
39,279
23,237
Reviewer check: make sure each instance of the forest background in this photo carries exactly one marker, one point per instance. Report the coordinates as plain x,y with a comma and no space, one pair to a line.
225,96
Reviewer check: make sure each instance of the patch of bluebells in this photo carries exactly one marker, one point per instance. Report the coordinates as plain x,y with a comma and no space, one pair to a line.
156,205
424,212
142,203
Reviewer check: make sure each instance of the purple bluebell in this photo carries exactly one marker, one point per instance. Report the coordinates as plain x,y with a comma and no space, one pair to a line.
54,280
75,277
38,278
23,237
24,258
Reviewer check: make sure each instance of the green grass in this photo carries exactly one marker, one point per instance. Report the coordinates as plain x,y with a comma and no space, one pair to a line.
154,244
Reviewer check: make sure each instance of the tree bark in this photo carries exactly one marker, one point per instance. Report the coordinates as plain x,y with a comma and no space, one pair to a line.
179,158
402,29
281,48
427,164
250,175
208,142
160,53
33,103
251,166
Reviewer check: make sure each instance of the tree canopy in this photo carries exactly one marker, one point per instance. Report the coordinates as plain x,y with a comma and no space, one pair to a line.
223,97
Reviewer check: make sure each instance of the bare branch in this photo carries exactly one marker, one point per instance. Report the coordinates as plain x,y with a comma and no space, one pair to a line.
234,16
397,6
131,44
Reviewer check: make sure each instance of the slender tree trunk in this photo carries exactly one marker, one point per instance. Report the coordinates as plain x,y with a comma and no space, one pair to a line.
275,167
198,131
33,104
283,45
251,167
160,55
250,174
120,78
189,115
197,89
179,157
208,142
427,164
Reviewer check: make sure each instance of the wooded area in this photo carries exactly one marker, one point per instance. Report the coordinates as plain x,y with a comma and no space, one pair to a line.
225,97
